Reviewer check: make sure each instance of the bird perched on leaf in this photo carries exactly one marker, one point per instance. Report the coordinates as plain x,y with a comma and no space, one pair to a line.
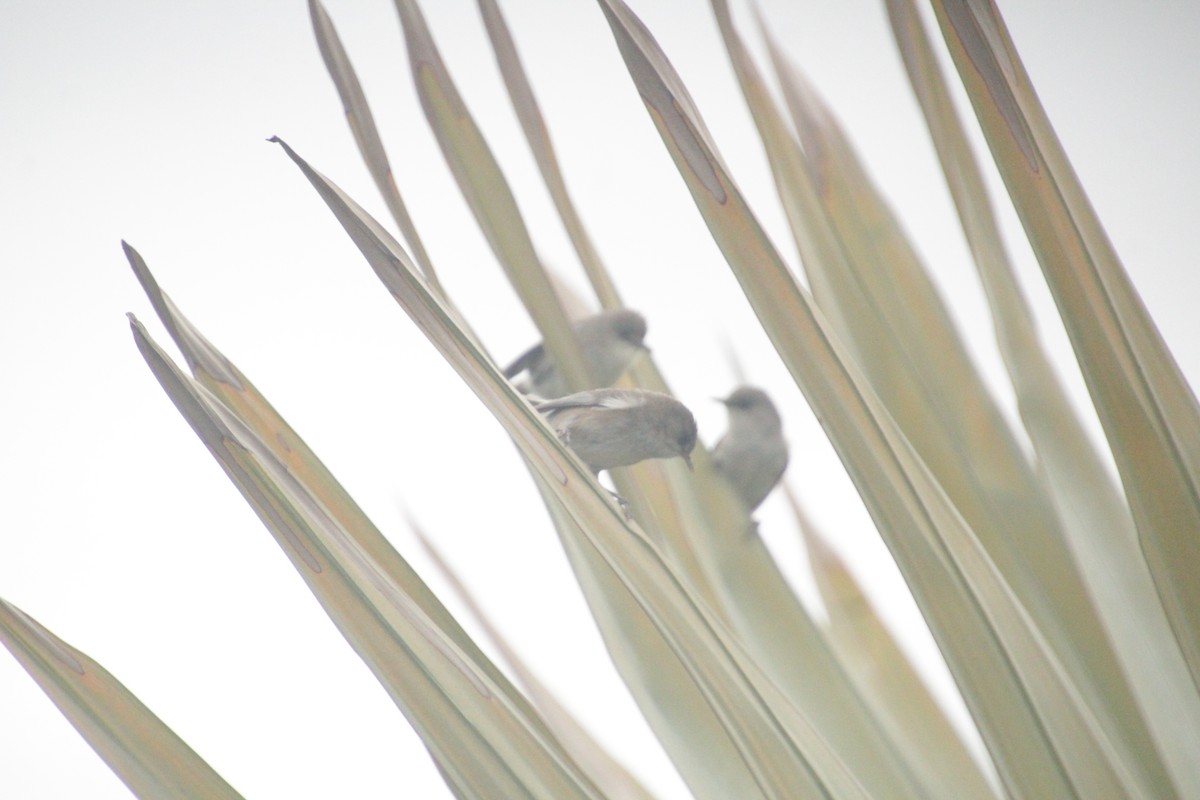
618,427
752,454
608,340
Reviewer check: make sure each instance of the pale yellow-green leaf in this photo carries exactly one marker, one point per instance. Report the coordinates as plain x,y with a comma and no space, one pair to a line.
912,353
778,631
1042,736
144,753
1095,519
820,250
366,135
778,750
487,192
684,720
906,707
656,493
221,377
817,240
610,776
530,116
483,740
1148,411
643,487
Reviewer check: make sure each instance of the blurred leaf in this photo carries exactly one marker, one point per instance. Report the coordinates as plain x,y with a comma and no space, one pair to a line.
778,631
1095,519
820,249
1043,738
530,116
691,730
487,193
652,497
1148,411
817,239
610,776
366,136
484,742
776,749
917,363
221,377
906,707
144,753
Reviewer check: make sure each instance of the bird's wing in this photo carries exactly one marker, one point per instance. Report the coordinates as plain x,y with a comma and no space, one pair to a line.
597,398
526,361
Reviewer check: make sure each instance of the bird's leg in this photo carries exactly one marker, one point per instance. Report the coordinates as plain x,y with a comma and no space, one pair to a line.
623,504
625,510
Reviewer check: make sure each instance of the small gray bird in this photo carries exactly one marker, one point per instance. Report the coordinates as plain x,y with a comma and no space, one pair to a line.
617,427
752,454
609,341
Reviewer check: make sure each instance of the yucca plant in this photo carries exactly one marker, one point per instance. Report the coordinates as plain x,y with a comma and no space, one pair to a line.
1061,599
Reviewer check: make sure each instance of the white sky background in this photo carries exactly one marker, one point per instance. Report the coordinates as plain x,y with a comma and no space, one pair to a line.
147,120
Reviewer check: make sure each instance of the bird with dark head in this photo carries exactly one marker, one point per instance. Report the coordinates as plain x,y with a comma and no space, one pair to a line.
752,455
608,341
618,427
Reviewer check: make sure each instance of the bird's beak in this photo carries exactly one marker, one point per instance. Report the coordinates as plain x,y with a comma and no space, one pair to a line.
687,459
722,400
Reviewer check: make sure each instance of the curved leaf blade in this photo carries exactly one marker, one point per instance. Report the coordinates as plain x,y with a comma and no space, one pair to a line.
366,134
1095,518
483,741
534,126
610,775
1041,735
781,753
144,753
1148,411
488,194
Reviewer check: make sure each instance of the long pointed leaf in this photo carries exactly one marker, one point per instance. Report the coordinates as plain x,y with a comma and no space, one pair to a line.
780,752
483,742
609,774
1043,740
366,135
878,663
1146,407
222,377
144,753
912,352
530,116
1096,520
487,192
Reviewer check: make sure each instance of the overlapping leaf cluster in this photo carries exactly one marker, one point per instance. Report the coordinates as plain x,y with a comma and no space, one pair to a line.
1065,606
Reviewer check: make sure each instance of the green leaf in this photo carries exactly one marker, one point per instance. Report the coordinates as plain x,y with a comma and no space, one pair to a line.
772,746
366,135
613,779
488,194
221,376
1148,411
484,739
906,707
1041,735
144,753
912,353
1095,518
534,126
